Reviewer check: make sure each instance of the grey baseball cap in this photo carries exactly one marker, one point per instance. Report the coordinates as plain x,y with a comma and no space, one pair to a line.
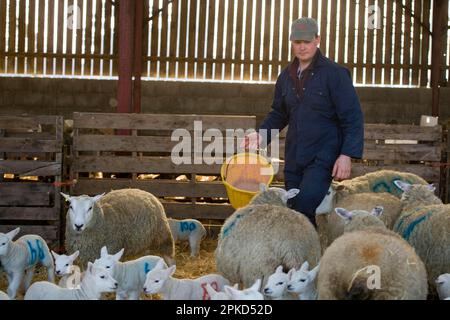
304,29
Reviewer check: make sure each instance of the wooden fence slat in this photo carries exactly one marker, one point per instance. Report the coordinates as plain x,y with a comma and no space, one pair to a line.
342,31
323,28
70,32
202,36
3,14
50,35
257,46
115,41
406,46
239,45
370,59
276,58
397,41
98,37
159,122
30,168
173,40
315,10
379,45
14,197
220,34
183,35
59,37
191,47
402,132
425,43
28,145
229,41
108,32
164,41
333,36
211,39
12,35
28,213
388,42
198,211
49,233
21,36
416,44
305,5
248,39
88,37
79,39
266,41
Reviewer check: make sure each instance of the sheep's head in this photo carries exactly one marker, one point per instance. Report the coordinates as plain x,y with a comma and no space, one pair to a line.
64,263
276,284
443,286
302,280
156,277
361,219
251,293
417,193
327,204
6,239
273,196
100,278
81,210
108,261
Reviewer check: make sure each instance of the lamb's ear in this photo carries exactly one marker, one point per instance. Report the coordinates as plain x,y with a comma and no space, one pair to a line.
160,265
13,233
431,187
292,193
290,273
210,290
256,285
75,255
231,291
263,187
402,185
305,266
89,267
343,213
377,211
55,255
98,197
236,286
66,196
279,269
171,270
313,273
103,251
119,254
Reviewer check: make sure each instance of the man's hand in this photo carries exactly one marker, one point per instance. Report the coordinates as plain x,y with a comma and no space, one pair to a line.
342,168
251,141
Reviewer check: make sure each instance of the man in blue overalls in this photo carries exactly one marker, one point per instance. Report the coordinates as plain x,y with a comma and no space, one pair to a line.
316,98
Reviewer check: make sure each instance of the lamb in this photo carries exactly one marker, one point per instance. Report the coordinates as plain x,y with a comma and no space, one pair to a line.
251,293
19,259
160,280
331,226
379,181
188,229
130,275
370,262
276,286
95,282
303,282
3,296
127,218
443,286
64,267
218,295
425,224
257,238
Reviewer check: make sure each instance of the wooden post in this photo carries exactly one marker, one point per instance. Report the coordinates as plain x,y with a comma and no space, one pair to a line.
139,16
440,18
124,89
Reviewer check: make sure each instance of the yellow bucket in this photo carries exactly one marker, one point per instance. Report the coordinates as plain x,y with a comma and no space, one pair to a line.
242,174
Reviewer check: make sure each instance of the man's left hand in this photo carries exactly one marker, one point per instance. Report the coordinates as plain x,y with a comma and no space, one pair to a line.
342,168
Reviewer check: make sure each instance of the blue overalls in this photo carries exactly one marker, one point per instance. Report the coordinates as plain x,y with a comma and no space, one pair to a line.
325,120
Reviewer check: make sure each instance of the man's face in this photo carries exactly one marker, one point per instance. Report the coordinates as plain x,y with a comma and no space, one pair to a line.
305,50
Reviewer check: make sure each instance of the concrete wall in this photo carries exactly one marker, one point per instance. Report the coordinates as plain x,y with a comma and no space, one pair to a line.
64,96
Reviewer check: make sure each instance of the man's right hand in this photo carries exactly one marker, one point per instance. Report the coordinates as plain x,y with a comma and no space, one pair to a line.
251,141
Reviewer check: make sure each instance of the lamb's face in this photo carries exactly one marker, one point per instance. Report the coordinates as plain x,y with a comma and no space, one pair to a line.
327,204
64,263
299,281
276,285
155,280
4,244
108,261
246,294
443,286
102,280
81,210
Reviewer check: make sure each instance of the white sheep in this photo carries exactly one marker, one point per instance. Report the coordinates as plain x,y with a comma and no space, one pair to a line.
188,229
160,280
130,275
218,295
96,281
3,296
251,293
370,262
303,282
425,224
276,286
64,267
19,259
127,218
443,286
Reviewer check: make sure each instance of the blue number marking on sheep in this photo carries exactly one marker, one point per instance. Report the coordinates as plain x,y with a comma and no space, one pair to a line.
381,186
187,226
402,219
408,231
36,254
147,267
227,230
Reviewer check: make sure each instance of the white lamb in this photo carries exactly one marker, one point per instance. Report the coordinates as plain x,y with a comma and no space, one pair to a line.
3,296
64,267
443,286
276,286
188,229
160,280
303,282
251,293
96,281
20,258
218,295
130,275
